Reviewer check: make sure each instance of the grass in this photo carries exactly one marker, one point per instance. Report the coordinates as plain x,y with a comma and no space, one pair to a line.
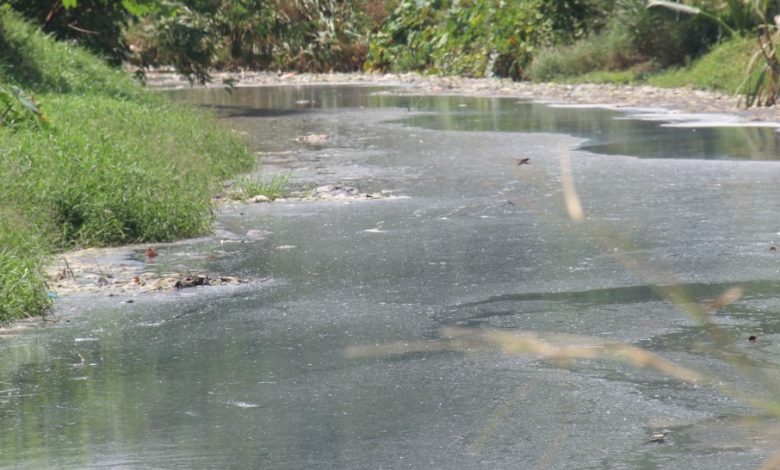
23,253
604,59
722,69
248,187
604,54
113,164
39,63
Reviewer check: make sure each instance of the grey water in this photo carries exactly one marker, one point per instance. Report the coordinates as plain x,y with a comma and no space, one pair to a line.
259,375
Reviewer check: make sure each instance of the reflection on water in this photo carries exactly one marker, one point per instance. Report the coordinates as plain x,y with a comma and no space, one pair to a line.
607,132
256,376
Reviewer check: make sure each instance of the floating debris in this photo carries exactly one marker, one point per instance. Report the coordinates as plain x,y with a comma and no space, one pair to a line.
659,437
241,404
313,139
124,275
524,161
195,280
753,338
338,191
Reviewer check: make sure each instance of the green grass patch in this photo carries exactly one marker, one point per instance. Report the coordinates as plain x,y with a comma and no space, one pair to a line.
248,187
23,253
112,171
34,61
722,69
603,59
606,57
105,163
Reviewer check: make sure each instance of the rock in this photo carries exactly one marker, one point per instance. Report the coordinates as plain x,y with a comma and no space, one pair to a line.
328,188
260,198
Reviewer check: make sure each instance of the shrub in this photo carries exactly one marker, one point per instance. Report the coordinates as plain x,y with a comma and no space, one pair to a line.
306,35
634,38
96,25
708,72
605,51
475,37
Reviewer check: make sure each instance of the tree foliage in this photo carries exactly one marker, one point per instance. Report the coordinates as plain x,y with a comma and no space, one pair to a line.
97,25
303,35
476,37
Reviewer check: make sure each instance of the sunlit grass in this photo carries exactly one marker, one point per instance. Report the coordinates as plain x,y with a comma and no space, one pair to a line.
114,171
114,164
37,62
247,187
23,253
722,69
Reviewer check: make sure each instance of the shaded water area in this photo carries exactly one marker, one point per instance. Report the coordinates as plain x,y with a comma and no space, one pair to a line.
259,375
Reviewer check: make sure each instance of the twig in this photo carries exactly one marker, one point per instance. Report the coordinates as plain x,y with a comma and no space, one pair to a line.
67,268
82,30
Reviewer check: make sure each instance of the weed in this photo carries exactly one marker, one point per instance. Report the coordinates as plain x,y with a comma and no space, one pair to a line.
708,71
18,109
248,187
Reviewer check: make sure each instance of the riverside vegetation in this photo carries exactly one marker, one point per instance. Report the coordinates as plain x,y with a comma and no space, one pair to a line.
88,158
637,41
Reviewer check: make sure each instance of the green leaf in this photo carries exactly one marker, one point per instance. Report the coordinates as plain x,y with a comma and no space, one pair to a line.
26,101
70,3
136,8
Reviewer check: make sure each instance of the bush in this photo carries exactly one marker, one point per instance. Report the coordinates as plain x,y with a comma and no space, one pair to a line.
605,51
306,35
634,39
97,25
708,72
475,37
666,37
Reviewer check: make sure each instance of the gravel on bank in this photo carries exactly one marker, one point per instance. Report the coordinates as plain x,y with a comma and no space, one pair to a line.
687,100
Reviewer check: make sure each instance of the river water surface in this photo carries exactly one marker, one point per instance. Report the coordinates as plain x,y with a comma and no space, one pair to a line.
336,356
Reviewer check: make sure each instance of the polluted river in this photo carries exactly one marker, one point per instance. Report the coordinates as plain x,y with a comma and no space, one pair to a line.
454,282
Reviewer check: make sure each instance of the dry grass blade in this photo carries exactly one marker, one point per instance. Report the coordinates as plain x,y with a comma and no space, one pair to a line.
573,205
557,347
678,7
773,463
728,297
563,347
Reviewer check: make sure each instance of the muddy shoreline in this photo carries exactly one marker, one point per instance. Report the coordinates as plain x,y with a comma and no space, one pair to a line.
672,100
